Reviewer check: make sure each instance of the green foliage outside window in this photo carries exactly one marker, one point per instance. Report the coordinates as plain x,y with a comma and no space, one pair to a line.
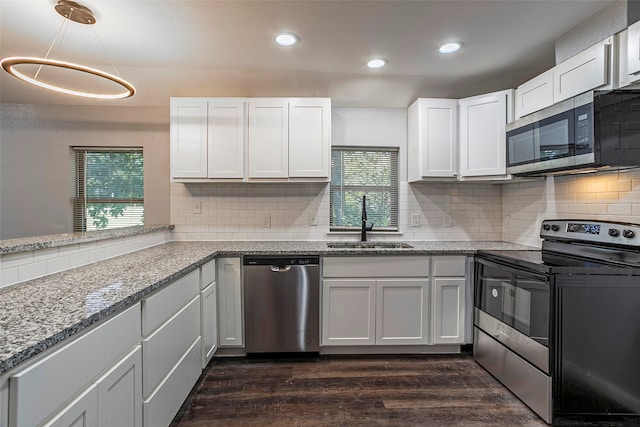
359,172
110,189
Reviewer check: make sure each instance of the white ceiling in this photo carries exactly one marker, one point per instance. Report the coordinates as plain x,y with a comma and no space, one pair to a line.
225,48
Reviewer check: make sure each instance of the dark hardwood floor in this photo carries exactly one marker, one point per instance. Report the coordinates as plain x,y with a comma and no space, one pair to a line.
434,390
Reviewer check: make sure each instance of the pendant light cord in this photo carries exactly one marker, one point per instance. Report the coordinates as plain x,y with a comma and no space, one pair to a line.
62,29
105,51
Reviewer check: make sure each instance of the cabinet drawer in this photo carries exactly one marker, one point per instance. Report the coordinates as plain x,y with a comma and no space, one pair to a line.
37,391
159,307
162,350
376,266
208,274
449,266
160,408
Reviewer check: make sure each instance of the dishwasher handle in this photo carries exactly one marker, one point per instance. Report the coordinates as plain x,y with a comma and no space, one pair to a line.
280,268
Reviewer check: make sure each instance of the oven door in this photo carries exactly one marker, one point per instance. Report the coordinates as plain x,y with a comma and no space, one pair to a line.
513,306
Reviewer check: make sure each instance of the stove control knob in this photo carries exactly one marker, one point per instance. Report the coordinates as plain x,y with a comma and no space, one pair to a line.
628,234
555,228
613,232
546,227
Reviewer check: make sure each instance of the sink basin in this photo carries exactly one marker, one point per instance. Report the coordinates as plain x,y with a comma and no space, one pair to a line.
369,245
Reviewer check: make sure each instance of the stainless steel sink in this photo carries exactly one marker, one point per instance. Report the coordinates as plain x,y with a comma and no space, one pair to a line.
369,245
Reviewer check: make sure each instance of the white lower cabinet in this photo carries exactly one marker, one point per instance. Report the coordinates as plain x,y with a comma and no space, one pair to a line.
230,324
172,352
133,369
120,392
165,401
348,316
403,300
209,325
375,301
449,286
81,412
41,392
402,312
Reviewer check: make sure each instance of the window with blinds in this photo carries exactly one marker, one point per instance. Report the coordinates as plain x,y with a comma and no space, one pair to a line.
357,172
109,188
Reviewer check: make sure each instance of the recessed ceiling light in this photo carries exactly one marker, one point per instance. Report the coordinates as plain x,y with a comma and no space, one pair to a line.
286,39
377,63
450,47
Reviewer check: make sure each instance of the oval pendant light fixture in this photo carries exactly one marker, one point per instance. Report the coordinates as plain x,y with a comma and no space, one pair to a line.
70,11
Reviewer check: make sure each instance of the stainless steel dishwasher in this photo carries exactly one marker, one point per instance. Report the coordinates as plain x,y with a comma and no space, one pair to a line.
281,304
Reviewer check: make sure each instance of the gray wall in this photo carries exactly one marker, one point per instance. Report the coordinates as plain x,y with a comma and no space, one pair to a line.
35,162
604,23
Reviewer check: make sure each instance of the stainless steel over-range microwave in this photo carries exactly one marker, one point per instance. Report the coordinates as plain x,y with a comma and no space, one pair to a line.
594,130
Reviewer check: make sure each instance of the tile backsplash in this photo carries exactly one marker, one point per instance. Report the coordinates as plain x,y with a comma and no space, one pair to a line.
612,196
447,211
457,211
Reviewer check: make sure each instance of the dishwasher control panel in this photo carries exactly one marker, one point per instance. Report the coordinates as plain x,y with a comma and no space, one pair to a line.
277,260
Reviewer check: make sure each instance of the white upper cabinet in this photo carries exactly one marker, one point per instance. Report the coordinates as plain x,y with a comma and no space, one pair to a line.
309,137
629,55
225,138
268,138
250,139
482,134
534,95
207,138
633,49
590,69
433,139
188,138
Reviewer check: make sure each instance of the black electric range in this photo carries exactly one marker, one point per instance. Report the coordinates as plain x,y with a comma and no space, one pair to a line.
560,327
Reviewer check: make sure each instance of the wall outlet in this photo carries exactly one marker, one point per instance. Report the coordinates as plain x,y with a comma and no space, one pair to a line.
266,220
447,220
313,219
507,221
197,208
415,220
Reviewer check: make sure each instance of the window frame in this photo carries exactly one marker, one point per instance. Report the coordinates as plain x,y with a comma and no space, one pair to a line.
80,201
393,189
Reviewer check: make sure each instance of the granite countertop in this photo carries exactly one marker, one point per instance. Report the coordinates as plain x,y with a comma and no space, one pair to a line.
25,244
40,313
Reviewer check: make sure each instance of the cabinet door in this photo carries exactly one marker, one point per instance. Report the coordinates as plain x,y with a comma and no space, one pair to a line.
448,310
583,72
309,137
120,393
482,135
402,312
633,50
433,138
188,137
209,300
226,138
268,138
348,312
230,327
81,412
534,95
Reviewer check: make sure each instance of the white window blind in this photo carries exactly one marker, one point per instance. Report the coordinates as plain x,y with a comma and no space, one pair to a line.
357,172
109,188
